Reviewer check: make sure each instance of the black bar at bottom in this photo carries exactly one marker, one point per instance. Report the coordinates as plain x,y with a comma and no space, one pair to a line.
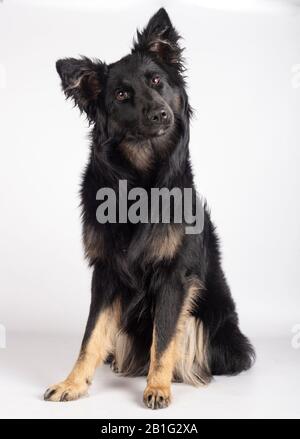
130,428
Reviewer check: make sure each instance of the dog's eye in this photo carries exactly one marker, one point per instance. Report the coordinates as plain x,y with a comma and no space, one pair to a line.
122,95
155,80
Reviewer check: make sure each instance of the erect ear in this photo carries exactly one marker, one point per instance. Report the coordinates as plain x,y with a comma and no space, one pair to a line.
160,39
83,81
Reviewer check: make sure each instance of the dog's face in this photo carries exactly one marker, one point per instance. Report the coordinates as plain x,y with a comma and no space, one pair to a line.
139,100
137,96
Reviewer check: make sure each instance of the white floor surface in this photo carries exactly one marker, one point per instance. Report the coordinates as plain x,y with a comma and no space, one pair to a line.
31,362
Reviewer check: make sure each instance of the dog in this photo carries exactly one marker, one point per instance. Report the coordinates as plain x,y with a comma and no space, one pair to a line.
160,303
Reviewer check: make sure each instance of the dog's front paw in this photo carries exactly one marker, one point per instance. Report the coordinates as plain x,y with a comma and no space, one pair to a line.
157,397
65,391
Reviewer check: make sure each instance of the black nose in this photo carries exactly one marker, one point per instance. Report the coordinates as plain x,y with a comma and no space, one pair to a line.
158,116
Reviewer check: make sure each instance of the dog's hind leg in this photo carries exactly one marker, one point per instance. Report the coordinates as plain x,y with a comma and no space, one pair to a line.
98,343
229,351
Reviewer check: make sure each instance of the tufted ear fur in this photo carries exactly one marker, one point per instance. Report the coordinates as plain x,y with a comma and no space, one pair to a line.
82,80
160,39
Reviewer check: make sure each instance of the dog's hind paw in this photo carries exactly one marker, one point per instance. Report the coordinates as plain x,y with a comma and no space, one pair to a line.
65,391
157,397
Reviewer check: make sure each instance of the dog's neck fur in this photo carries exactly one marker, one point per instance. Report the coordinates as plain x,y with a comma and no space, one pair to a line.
140,154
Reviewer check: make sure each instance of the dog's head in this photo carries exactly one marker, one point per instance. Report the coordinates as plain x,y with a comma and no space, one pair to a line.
140,94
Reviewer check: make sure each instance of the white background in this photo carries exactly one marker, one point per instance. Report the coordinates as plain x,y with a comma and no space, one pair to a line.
242,59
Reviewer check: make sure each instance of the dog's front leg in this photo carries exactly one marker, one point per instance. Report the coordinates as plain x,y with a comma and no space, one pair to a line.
98,341
169,294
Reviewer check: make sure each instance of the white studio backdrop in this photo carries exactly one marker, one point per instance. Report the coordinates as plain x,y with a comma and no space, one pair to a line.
244,84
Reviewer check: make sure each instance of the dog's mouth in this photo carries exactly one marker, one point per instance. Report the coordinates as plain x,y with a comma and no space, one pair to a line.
147,134
162,131
156,133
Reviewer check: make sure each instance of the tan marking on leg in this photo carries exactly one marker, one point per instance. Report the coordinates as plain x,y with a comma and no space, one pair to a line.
193,289
99,345
158,391
184,359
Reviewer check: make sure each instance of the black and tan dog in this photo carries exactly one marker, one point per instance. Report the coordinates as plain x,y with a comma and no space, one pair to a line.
160,303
